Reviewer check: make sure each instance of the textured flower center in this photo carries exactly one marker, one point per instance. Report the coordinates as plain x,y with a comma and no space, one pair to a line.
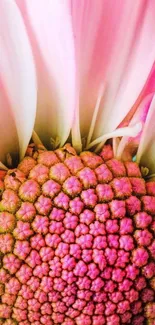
76,241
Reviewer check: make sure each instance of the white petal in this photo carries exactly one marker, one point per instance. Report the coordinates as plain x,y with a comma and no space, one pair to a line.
49,27
17,74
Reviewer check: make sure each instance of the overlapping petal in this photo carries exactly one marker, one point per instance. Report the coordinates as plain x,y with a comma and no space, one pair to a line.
128,146
94,63
17,82
49,28
115,46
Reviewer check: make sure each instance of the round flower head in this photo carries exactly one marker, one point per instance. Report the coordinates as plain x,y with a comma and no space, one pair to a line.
77,193
73,254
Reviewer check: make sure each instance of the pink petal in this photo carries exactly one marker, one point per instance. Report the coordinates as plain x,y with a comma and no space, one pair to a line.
128,145
17,77
112,51
49,29
131,68
146,149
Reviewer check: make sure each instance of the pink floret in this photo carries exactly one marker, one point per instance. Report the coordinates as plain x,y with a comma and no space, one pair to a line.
40,224
112,226
113,241
43,205
11,263
143,220
104,175
68,236
149,204
126,242
68,262
87,216
80,269
126,318
51,188
109,308
149,270
126,226
24,273
132,271
33,259
56,227
22,230
70,221
111,255
133,205
102,212
41,270
75,250
117,209
55,267
136,307
83,319
123,306
122,259
100,242
118,275
5,311
147,295
122,187
6,243
33,283
132,295
104,192
87,177
22,249
72,186
114,319
46,254
76,206
37,241
89,198
93,271
46,284
84,283
143,237
62,201
140,256
51,240
57,214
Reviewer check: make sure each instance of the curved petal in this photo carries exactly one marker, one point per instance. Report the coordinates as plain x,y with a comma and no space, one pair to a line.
109,50
49,28
146,149
148,89
125,131
131,69
17,75
128,145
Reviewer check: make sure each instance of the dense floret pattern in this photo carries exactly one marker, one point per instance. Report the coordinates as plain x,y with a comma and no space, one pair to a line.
76,240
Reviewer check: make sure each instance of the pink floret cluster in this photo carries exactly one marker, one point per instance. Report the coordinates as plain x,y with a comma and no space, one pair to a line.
77,241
